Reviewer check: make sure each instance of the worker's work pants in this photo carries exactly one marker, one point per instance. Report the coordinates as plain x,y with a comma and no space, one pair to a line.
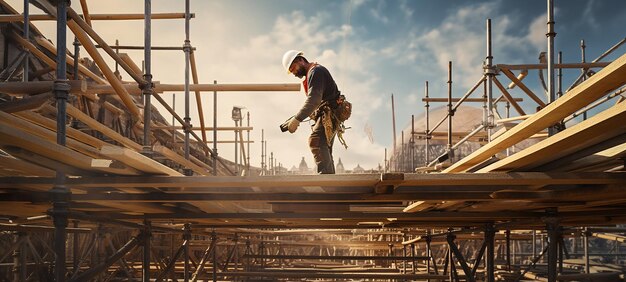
322,153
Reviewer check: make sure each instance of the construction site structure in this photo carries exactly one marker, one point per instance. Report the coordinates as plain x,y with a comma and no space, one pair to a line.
96,184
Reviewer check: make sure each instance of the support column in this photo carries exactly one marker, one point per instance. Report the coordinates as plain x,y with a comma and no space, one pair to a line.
450,113
187,49
215,130
490,233
427,130
508,250
145,266
26,62
586,235
552,226
186,239
60,194
490,72
551,34
214,260
19,257
75,247
147,87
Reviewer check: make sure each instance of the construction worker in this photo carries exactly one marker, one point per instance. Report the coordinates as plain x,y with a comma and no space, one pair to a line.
322,94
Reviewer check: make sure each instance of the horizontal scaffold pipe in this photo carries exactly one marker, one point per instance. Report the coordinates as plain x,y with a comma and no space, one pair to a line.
337,257
557,66
37,87
133,88
96,17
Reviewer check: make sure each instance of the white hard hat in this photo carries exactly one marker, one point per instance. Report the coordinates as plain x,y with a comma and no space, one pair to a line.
289,57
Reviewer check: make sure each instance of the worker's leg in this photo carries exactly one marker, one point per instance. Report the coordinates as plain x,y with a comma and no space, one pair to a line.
322,153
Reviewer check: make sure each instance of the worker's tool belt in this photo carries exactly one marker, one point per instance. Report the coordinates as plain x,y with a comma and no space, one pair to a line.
333,114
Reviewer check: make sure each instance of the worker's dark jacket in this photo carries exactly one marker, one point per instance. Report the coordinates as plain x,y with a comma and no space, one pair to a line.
319,86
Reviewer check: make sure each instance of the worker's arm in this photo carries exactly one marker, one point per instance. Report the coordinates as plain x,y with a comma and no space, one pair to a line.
314,97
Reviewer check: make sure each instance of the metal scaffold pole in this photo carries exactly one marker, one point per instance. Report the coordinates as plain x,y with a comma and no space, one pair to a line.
215,130
187,49
145,266
489,72
427,130
450,113
551,34
61,194
26,36
147,87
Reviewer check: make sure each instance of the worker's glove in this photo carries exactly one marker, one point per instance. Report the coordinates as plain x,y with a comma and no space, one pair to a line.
293,124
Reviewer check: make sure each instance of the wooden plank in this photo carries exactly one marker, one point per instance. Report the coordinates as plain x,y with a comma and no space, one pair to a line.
97,126
166,152
37,87
508,97
133,88
14,137
71,132
8,120
116,84
523,86
43,42
137,161
16,167
607,79
603,126
129,61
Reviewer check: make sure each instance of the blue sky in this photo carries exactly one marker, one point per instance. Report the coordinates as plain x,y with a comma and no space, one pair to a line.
372,48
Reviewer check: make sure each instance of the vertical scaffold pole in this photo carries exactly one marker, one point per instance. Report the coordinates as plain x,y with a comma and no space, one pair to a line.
215,130
26,36
551,34
490,259
489,72
450,112
214,259
586,235
187,49
145,266
60,194
584,71
186,240
552,226
147,87
427,131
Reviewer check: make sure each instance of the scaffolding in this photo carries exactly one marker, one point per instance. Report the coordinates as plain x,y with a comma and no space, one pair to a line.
97,186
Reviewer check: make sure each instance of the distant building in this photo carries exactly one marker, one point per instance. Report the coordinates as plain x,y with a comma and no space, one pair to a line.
303,168
339,167
358,169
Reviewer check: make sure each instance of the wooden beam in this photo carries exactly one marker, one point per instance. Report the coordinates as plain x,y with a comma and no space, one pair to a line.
137,161
175,157
71,132
14,137
508,97
97,126
602,126
194,75
26,103
523,86
43,42
607,79
15,167
116,84
85,8
133,88
129,61
38,87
